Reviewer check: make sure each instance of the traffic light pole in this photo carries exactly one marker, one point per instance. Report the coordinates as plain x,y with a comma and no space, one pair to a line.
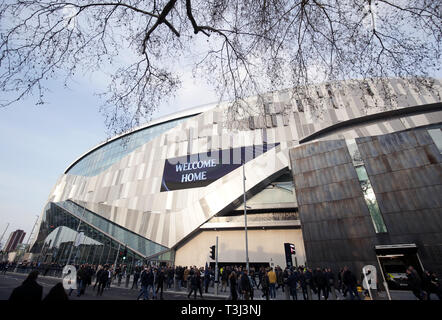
216,267
245,216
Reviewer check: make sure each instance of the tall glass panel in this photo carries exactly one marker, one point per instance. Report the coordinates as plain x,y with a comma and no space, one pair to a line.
367,190
436,135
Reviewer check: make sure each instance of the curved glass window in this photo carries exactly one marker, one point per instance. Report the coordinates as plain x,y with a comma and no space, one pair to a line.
102,158
98,240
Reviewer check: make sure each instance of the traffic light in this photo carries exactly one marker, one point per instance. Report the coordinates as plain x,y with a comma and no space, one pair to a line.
212,252
125,253
292,248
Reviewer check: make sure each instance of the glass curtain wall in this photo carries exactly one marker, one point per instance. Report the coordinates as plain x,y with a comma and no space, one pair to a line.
58,240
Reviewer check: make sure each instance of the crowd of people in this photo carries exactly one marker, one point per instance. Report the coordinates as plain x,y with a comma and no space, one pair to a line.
151,281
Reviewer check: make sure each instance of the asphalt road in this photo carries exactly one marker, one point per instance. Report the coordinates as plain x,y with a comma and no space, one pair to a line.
12,280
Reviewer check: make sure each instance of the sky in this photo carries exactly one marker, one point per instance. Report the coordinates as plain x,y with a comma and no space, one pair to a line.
38,143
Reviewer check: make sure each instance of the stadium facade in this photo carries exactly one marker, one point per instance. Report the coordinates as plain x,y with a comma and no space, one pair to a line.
348,176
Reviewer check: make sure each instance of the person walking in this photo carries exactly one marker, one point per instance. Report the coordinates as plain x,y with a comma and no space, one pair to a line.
246,286
144,284
349,280
195,284
415,283
302,283
151,283
265,286
292,282
233,280
97,280
29,290
331,283
272,283
160,282
320,283
435,286
103,278
137,273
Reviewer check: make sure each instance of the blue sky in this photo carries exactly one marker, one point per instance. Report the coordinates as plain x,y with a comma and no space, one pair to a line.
38,143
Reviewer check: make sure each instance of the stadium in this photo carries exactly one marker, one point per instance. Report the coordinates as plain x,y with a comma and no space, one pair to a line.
348,172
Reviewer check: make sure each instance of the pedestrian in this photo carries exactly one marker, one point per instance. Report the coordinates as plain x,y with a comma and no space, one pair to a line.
331,283
415,283
151,283
224,278
265,285
292,282
195,284
57,293
272,283
81,280
435,286
303,283
103,279
349,280
246,286
233,280
160,282
279,278
99,271
320,283
206,279
29,290
144,283
118,274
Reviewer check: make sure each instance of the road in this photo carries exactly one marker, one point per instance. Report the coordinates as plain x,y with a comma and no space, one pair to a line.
12,280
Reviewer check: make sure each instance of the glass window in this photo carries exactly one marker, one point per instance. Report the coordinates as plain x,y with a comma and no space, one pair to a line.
436,135
102,158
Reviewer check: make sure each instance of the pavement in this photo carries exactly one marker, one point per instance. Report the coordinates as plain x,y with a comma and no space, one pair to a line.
12,280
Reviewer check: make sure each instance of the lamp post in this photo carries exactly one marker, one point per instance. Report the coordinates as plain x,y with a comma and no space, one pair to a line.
245,216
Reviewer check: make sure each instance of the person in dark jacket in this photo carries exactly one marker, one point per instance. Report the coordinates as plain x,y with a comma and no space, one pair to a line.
136,277
331,283
265,286
232,280
195,284
57,293
103,278
245,285
302,283
29,290
292,282
435,286
144,281
160,282
415,283
320,283
349,280
82,277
